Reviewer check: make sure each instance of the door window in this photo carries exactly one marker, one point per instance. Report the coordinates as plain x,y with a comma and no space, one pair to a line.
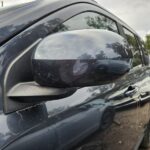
89,20
133,45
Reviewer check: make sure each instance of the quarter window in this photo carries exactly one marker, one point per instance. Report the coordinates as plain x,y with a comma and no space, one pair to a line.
89,20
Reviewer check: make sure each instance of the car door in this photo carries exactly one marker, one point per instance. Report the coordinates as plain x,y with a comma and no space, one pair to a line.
32,35
76,124
145,90
76,127
130,89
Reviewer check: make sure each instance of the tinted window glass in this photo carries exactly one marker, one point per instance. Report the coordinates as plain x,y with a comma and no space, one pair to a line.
143,46
133,44
89,20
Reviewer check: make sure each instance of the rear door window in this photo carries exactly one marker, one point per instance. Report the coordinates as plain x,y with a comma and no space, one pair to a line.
133,45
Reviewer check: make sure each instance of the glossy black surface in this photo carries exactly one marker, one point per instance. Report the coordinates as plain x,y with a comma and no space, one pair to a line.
75,119
81,58
21,30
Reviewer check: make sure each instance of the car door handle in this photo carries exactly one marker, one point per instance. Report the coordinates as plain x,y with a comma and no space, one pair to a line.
131,91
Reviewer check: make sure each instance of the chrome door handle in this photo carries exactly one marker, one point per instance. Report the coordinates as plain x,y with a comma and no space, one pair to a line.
131,91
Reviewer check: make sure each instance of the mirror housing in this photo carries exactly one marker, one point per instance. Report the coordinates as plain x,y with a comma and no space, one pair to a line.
81,58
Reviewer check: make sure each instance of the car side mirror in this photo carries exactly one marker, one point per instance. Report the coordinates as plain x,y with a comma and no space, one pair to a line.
81,58
63,62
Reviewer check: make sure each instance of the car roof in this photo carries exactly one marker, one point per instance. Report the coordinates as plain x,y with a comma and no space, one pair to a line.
16,19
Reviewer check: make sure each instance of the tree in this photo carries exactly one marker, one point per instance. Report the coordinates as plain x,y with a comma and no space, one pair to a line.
147,42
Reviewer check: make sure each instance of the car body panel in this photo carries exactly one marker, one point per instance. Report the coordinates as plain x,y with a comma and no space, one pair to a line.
38,31
23,33
17,126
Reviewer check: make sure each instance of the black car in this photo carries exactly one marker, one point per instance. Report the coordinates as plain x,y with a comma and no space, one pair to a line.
56,55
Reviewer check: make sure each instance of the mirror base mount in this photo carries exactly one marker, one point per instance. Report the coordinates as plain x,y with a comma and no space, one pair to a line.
31,92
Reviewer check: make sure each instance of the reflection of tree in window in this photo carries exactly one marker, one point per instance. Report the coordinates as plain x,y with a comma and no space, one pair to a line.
146,45
101,22
134,47
97,22
111,25
85,56
117,48
132,42
136,60
89,20
101,55
61,28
